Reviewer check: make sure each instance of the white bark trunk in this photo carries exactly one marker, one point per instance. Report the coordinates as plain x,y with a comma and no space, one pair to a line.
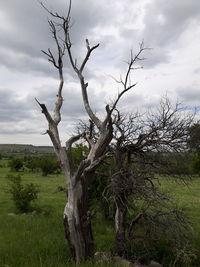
77,223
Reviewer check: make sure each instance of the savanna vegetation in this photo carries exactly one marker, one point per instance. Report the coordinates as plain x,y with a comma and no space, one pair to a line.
34,236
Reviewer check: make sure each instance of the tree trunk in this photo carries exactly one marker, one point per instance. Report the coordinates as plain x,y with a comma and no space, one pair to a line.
120,224
77,223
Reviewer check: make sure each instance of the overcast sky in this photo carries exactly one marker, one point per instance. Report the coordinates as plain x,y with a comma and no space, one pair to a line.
171,28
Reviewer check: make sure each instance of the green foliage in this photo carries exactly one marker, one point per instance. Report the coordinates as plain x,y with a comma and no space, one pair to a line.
22,195
194,138
97,189
195,163
31,163
194,145
1,157
178,163
49,165
78,154
15,164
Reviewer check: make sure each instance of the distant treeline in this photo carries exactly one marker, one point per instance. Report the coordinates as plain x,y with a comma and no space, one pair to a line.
25,149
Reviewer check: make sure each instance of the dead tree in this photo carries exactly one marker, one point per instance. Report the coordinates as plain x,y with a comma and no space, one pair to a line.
77,219
142,149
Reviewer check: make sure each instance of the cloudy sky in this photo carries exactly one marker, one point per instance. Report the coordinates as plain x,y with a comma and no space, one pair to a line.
171,28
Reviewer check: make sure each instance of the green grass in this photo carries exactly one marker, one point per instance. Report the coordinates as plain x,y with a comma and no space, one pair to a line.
38,241
34,241
187,197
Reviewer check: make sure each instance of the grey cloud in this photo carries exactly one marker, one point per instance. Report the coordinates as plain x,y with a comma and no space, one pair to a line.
190,94
9,128
12,109
24,115
155,56
73,103
165,23
135,102
197,71
17,116
26,31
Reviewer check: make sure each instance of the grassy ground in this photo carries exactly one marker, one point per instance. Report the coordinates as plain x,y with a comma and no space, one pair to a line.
38,241
187,197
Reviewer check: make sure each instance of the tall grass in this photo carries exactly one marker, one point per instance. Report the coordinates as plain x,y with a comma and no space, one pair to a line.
28,240
38,240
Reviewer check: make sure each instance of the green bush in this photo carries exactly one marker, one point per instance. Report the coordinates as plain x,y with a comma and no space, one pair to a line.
22,194
195,163
49,165
15,164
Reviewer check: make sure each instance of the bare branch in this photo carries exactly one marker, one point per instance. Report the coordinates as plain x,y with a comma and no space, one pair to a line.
55,15
72,140
68,145
59,66
89,51
126,82
94,164
45,111
91,114
67,44
120,95
50,57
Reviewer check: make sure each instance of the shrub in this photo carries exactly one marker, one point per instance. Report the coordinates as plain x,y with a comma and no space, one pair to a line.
195,163
32,163
22,194
15,164
49,165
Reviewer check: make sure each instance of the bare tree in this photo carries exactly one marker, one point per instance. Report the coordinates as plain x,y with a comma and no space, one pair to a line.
143,148
77,219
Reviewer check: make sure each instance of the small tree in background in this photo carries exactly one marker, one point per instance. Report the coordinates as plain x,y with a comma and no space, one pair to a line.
15,164
32,163
22,194
48,165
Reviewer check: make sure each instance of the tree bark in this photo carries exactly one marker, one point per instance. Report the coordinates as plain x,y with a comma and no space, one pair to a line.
77,223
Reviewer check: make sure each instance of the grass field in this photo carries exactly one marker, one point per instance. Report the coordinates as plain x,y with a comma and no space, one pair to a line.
27,240
38,241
